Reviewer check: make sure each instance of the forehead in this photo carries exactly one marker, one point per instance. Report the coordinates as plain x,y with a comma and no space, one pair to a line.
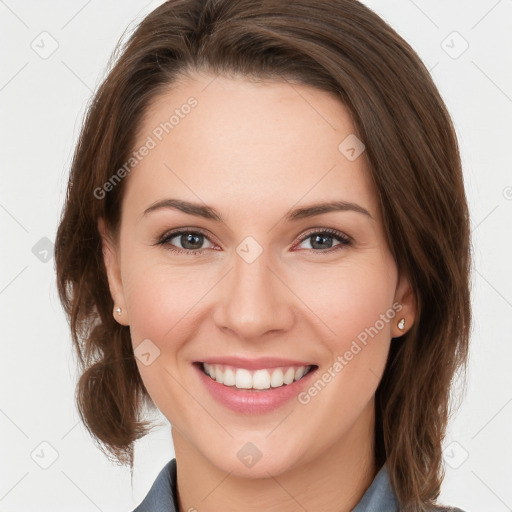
231,141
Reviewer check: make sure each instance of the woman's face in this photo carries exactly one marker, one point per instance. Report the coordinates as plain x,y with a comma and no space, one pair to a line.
258,284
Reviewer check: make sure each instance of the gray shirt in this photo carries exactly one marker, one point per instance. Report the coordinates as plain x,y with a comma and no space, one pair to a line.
379,497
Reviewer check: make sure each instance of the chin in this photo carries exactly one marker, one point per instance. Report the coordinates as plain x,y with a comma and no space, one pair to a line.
256,460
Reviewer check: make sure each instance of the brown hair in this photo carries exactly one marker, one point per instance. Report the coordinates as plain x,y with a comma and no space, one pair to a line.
338,46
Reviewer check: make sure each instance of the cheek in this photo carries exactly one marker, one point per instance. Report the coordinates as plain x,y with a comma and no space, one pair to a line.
362,321
162,302
350,298
357,306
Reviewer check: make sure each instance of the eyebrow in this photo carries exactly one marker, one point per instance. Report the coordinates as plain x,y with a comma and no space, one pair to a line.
208,212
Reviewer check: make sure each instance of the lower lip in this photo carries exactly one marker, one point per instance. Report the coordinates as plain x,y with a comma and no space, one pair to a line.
253,401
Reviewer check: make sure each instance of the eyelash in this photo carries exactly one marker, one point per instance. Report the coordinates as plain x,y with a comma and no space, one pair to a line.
342,238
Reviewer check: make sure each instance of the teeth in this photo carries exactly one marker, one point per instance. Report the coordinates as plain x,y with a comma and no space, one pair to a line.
219,376
243,379
300,372
229,377
259,379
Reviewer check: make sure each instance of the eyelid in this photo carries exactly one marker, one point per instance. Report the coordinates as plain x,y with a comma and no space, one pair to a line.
330,231
178,231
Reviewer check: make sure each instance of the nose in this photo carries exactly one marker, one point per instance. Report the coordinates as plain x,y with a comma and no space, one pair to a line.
254,300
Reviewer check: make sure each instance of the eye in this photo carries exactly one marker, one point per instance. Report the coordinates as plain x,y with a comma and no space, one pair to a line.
323,238
191,241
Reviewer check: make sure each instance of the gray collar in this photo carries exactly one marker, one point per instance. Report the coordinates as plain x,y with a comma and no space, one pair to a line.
162,496
379,497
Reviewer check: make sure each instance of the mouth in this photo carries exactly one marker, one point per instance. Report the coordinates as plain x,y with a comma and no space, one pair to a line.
262,379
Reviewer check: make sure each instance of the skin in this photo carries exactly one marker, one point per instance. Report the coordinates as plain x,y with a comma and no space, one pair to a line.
254,151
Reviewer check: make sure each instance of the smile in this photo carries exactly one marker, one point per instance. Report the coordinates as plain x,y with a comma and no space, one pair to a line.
261,379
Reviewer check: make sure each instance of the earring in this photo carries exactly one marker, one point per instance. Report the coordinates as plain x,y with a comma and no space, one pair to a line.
118,310
401,324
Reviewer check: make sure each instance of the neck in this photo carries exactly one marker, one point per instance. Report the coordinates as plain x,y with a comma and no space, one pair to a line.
333,481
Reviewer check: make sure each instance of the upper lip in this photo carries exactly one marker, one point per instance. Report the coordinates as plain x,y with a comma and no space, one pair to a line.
255,364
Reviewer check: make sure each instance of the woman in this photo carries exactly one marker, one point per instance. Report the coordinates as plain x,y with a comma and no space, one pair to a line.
266,238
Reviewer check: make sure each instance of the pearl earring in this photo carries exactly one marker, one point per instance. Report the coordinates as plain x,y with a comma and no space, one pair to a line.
118,310
401,324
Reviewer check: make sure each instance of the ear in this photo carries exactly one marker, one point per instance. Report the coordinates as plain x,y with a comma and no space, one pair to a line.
111,261
404,296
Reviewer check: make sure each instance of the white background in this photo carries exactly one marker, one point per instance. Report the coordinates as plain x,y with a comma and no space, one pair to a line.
42,102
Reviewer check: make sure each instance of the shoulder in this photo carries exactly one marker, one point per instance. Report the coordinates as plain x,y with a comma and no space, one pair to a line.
161,496
381,497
